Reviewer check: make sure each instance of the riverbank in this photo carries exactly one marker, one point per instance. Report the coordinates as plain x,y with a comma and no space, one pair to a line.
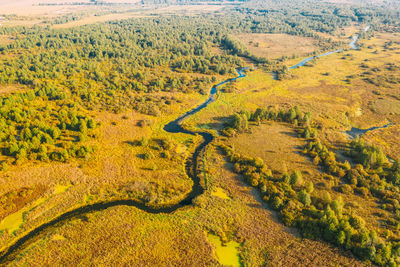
9,253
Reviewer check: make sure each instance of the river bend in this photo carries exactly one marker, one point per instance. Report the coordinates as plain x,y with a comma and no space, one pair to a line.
9,253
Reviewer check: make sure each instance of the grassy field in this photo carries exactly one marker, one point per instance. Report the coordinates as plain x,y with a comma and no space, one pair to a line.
151,11
116,170
278,145
339,93
97,19
266,142
274,46
182,238
334,89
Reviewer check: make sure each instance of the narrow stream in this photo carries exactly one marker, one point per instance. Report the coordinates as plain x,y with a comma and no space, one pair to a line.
9,253
353,45
304,61
354,132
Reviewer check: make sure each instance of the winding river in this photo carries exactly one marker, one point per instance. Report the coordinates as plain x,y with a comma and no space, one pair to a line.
353,45
304,61
9,253
353,132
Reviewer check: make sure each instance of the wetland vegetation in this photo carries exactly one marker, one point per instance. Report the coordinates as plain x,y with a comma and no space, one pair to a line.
128,138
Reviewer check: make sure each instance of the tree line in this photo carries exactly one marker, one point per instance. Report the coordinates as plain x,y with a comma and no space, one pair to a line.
317,215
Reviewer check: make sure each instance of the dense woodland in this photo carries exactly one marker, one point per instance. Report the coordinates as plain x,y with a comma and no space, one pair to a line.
114,66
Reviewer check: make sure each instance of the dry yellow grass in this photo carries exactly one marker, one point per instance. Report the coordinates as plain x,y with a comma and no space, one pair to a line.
277,144
8,89
388,139
266,240
387,106
333,90
279,147
276,45
395,37
31,7
97,19
6,39
145,12
131,237
114,170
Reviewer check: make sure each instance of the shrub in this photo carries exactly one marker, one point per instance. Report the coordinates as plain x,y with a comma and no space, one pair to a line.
143,141
304,197
346,189
356,221
310,187
362,191
276,203
82,137
143,123
148,155
166,155
337,206
91,123
296,178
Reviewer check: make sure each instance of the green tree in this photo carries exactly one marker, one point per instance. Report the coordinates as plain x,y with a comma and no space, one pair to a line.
82,126
296,178
337,206
91,123
310,187
304,197
143,141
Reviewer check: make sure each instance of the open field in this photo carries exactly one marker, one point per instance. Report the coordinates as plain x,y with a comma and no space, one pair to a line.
31,8
96,19
187,10
266,142
274,46
9,89
333,89
387,139
29,13
47,7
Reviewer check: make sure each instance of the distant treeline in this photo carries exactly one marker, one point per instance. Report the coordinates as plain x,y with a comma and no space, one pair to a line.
324,16
92,2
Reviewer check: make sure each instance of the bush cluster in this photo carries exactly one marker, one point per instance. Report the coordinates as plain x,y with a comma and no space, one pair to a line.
319,216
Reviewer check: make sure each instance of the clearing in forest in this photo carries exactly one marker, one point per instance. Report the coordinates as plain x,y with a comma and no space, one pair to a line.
276,45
